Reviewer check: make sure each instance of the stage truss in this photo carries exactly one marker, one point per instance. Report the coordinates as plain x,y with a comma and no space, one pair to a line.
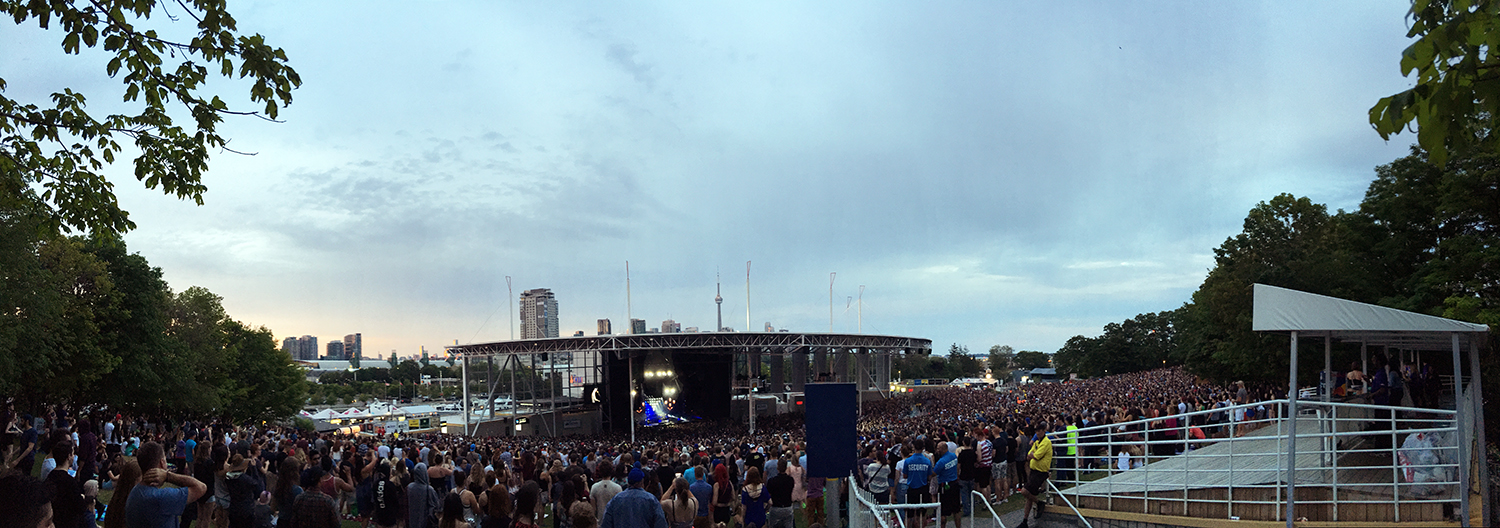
854,358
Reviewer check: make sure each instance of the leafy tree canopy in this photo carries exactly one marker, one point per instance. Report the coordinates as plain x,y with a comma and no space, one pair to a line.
1455,101
1031,359
52,153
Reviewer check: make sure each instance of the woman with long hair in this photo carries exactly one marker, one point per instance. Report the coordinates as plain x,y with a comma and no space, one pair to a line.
753,498
723,497
130,474
498,506
799,479
526,505
453,513
286,490
679,505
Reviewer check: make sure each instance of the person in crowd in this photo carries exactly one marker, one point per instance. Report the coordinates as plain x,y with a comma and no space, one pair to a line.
917,470
605,489
753,499
725,500
422,501
313,508
287,483
528,500
703,493
945,470
1039,462
25,502
679,505
453,513
152,506
245,483
69,506
498,507
780,488
634,507
129,476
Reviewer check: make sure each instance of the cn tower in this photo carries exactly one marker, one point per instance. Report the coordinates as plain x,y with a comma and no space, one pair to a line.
719,300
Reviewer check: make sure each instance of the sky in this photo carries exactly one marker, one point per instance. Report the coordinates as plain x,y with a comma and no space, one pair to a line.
985,173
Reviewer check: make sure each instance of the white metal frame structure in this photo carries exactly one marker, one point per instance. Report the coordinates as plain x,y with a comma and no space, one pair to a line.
1306,314
1249,463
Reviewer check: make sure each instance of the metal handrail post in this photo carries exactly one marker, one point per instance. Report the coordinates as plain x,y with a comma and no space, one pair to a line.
1333,413
1291,448
1070,505
1395,468
1183,434
987,506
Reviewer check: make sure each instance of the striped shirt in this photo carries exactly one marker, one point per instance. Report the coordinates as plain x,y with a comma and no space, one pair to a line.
986,453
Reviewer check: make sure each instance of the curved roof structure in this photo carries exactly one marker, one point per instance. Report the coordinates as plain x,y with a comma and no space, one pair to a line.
707,342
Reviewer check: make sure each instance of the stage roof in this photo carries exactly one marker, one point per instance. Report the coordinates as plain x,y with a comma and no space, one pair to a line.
704,342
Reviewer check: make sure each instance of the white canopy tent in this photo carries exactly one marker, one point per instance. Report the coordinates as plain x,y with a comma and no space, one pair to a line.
1283,310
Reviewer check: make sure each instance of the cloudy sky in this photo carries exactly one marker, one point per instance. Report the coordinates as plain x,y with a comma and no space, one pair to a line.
990,172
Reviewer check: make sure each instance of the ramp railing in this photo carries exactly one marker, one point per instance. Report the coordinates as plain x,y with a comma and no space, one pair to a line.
1231,462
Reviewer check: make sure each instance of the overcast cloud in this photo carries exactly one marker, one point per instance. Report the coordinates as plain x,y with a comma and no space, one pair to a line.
992,173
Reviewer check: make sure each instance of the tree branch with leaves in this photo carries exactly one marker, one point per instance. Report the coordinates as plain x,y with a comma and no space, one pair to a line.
52,155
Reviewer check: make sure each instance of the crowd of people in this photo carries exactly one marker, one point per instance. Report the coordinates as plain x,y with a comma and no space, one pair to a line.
927,448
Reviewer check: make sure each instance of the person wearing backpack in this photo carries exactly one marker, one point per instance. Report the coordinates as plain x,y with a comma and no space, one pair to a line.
386,495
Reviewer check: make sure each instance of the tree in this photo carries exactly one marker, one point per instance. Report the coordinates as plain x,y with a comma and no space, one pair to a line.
1030,359
1288,242
353,360
264,383
52,155
1455,101
1000,360
961,364
407,371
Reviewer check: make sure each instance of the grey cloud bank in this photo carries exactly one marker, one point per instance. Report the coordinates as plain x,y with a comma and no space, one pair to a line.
993,173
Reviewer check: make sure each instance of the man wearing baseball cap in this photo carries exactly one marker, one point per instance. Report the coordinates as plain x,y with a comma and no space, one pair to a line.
634,506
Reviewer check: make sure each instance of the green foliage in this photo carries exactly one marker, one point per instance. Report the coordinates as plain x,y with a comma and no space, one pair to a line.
1289,242
1455,100
62,149
1030,359
87,322
1000,360
406,371
1144,342
961,364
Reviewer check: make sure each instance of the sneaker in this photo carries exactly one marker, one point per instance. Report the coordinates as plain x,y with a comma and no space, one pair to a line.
1023,524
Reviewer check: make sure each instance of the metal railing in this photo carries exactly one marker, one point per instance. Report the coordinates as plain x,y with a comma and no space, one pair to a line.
1360,454
1060,495
979,498
864,512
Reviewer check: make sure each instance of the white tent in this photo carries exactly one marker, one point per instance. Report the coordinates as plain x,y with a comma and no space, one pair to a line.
1283,310
325,414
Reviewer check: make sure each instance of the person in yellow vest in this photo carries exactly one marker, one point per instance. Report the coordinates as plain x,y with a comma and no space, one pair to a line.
1039,462
1072,460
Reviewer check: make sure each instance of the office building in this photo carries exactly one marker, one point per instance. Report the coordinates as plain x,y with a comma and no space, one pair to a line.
307,348
289,345
670,327
538,314
336,350
637,326
605,328
353,345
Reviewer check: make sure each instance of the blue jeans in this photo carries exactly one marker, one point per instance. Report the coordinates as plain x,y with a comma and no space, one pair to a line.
900,496
965,497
